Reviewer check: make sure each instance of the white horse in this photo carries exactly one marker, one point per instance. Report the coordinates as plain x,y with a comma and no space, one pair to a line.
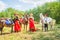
51,22
41,20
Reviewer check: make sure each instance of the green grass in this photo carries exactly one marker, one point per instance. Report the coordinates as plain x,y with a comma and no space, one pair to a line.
38,35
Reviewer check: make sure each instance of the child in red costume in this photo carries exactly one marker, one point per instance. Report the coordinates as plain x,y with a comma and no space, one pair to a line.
17,26
31,23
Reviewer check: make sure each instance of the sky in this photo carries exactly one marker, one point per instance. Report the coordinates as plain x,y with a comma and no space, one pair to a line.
22,4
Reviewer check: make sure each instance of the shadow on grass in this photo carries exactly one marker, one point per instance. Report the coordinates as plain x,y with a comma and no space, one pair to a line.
49,36
5,33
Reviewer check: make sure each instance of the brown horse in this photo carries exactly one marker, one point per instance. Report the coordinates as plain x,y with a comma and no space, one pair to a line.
3,24
24,21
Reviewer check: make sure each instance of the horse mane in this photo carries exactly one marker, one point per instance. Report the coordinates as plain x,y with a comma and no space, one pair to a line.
25,19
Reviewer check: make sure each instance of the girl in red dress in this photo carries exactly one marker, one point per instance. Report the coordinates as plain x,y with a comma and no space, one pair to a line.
17,26
31,23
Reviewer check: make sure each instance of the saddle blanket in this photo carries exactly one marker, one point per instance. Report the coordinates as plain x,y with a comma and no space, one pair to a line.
8,22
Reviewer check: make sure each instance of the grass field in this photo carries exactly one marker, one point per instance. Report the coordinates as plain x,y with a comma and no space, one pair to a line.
38,35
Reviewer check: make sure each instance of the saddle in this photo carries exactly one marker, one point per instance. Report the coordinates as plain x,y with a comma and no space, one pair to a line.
8,22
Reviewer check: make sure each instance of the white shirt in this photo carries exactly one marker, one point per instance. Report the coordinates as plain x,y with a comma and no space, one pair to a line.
47,20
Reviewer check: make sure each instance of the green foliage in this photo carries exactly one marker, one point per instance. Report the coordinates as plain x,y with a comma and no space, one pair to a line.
52,9
9,12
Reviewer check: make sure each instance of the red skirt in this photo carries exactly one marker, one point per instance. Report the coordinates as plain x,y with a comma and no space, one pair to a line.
31,25
17,26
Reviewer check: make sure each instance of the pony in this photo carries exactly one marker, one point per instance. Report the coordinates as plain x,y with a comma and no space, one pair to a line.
24,21
3,24
51,22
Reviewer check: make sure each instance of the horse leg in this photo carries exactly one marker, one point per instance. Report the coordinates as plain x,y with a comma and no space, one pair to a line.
1,31
42,27
26,27
51,27
11,29
2,28
45,29
21,24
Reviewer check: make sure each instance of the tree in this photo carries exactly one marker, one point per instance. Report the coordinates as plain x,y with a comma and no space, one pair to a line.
52,9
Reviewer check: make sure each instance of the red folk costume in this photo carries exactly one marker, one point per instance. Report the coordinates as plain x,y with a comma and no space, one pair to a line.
17,26
31,24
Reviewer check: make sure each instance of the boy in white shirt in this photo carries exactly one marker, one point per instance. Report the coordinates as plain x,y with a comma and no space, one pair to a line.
45,21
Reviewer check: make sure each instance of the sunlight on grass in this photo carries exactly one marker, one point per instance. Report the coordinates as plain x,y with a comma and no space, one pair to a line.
26,35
